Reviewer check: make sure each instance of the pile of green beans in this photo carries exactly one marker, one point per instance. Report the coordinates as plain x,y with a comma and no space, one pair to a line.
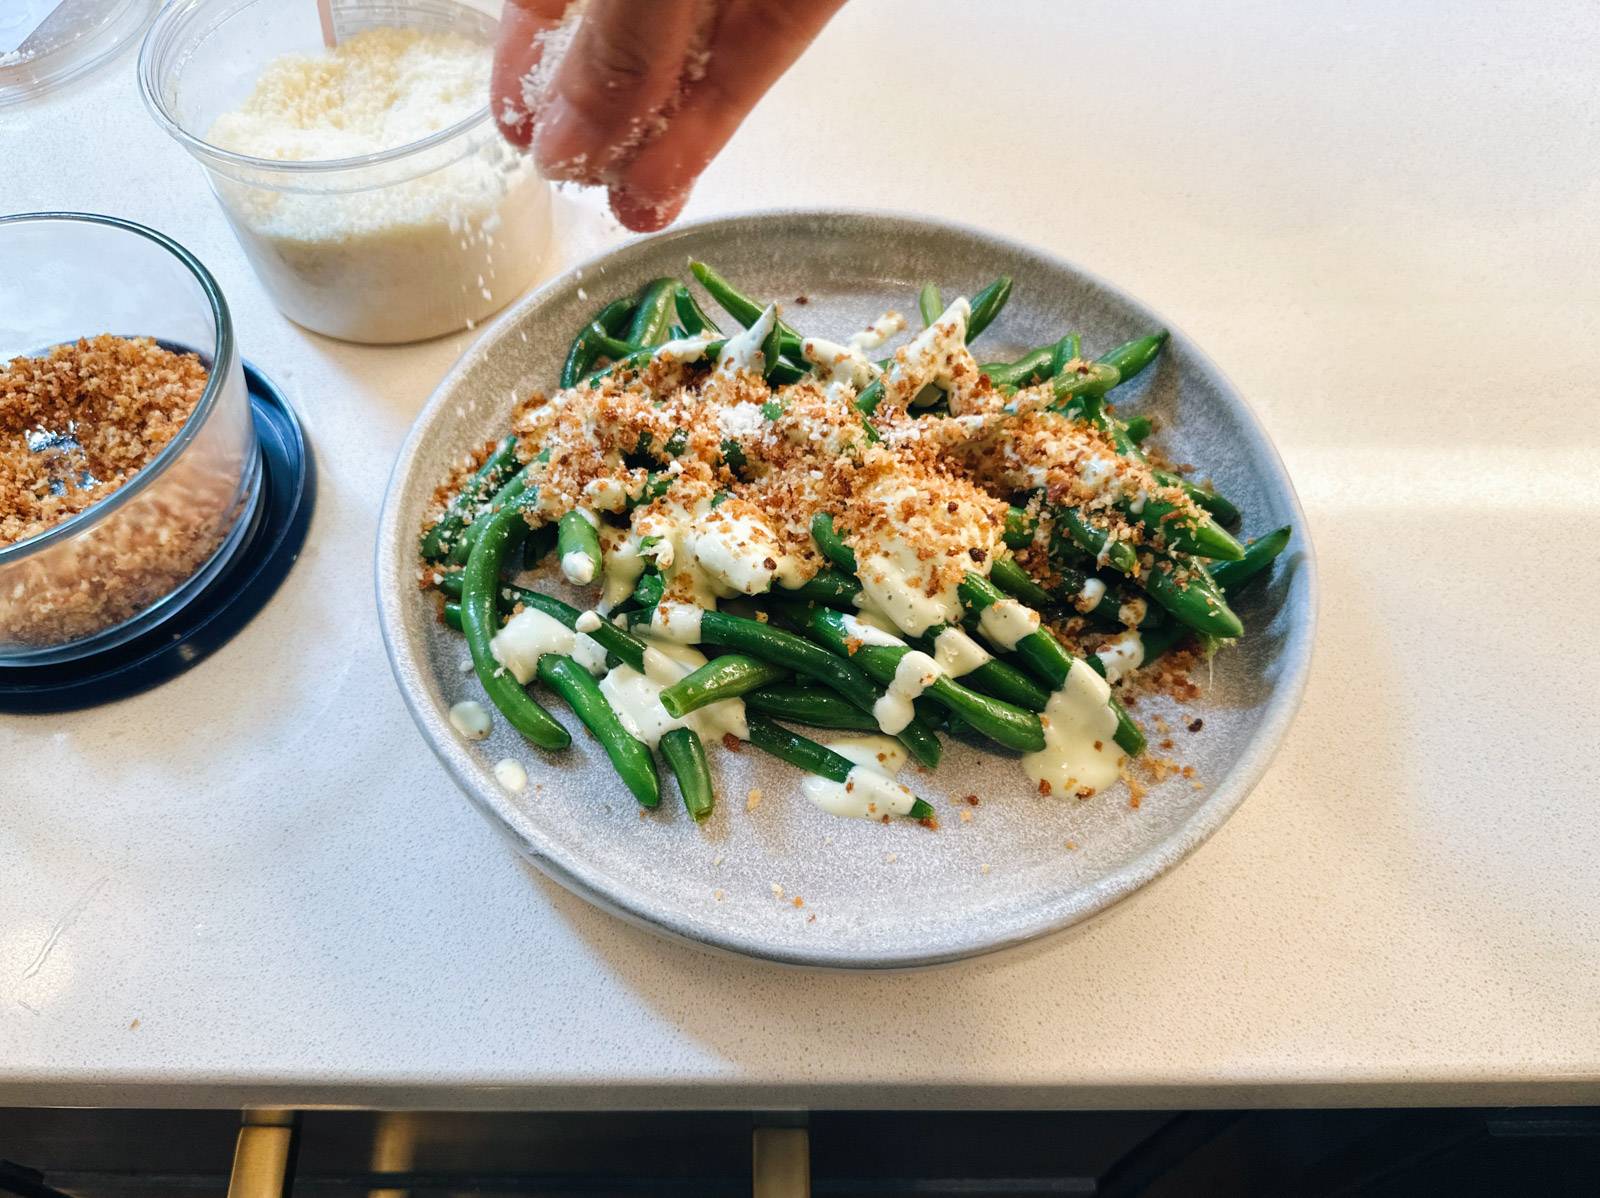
799,662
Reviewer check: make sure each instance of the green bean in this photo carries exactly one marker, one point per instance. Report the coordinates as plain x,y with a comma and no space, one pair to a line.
1200,535
618,642
578,542
829,587
1048,658
783,648
1016,582
1190,535
1138,429
690,314
612,320
1232,577
686,757
779,647
629,755
462,549
1196,601
814,705
609,347
831,543
1097,542
742,308
867,401
452,615
1077,378
993,678
1006,724
648,590
1129,736
810,756
930,304
771,349
1021,525
480,621
1065,352
653,317
725,677
1129,358
1032,366
1040,650
986,305
1219,506
436,543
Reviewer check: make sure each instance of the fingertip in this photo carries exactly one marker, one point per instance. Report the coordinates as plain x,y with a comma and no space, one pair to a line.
644,213
516,52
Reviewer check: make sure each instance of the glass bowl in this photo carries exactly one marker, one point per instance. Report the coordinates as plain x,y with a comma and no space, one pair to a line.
120,567
412,242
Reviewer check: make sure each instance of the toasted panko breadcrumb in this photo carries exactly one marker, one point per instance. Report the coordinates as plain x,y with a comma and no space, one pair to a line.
76,425
79,422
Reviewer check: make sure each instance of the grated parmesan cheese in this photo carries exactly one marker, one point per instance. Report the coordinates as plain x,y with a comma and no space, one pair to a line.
394,251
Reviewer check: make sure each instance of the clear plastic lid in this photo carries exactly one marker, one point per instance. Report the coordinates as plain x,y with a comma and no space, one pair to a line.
45,43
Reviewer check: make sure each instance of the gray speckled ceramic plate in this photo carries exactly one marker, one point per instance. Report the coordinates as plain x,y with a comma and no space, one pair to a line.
874,896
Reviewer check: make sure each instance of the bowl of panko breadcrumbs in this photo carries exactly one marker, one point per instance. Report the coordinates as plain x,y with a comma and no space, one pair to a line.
128,461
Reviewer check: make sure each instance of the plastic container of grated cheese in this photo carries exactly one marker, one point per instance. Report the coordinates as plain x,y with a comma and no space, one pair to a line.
408,241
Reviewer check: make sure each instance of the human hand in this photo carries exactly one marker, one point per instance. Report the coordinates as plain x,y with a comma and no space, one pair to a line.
646,94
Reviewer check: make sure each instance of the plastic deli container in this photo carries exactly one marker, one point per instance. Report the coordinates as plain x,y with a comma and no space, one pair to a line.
412,242
121,566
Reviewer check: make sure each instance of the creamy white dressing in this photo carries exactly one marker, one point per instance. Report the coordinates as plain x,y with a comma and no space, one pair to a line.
1093,591
914,673
469,718
1076,721
744,351
685,349
896,572
1121,655
863,628
882,753
737,548
1096,472
676,622
1005,623
869,791
1133,612
894,579
624,565
730,549
937,354
589,653
577,567
510,774
636,697
844,368
526,637
957,653
604,494
879,331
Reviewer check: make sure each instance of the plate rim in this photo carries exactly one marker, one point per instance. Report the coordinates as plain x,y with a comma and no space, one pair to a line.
1096,898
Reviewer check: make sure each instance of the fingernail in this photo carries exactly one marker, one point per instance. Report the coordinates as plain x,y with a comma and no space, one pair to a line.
646,213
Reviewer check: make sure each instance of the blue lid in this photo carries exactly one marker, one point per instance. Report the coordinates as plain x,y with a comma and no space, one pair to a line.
212,617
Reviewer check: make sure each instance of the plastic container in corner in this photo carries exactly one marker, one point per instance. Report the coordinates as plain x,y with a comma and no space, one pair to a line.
408,243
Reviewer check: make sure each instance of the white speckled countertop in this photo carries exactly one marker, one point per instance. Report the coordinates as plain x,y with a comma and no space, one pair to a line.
256,885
